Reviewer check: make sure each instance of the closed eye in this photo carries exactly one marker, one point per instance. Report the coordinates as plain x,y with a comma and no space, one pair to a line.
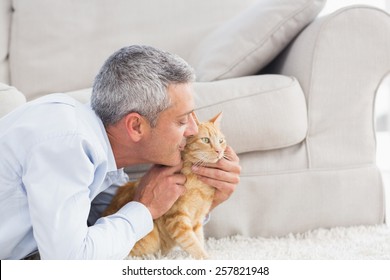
183,121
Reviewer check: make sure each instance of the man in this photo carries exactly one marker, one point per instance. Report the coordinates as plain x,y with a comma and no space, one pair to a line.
59,158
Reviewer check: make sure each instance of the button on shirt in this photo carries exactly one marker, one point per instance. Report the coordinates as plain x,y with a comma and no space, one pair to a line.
55,158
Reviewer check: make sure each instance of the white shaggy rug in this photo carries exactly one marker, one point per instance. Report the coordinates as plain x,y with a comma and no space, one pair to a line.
351,243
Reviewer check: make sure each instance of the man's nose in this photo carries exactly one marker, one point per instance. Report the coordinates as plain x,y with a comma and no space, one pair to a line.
192,127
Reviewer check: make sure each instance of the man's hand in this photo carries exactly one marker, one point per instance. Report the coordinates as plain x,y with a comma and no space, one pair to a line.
223,175
159,188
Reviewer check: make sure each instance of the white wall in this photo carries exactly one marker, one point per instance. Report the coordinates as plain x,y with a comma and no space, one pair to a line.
332,5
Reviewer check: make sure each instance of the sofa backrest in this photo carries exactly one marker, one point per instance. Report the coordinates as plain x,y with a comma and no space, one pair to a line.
55,46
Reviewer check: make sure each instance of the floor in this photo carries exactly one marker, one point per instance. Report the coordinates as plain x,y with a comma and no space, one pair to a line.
383,161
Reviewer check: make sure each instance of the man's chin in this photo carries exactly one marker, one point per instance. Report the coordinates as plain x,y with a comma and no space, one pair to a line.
174,163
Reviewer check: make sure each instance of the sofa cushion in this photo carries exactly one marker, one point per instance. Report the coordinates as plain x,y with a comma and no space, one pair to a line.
10,99
249,41
58,46
259,112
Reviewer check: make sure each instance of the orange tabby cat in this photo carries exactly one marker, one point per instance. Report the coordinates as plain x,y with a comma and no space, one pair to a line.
183,224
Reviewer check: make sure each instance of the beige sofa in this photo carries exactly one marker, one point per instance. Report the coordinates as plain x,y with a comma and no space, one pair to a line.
297,94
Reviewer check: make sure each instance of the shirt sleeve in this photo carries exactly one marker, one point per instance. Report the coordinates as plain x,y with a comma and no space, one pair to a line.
59,175
103,199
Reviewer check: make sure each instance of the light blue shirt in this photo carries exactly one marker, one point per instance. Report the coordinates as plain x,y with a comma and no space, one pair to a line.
55,158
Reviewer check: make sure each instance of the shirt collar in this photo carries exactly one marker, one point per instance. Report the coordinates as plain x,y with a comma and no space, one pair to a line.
111,163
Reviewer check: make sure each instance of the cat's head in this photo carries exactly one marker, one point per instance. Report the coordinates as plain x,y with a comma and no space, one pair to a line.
208,145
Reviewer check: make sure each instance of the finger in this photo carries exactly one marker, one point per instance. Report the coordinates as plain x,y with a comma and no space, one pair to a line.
176,186
230,154
223,164
220,197
217,174
181,190
230,166
179,179
226,188
230,162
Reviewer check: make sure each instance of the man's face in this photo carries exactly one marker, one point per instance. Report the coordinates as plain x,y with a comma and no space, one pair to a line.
168,137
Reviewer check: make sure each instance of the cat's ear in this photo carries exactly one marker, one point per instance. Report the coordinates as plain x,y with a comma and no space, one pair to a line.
195,117
217,120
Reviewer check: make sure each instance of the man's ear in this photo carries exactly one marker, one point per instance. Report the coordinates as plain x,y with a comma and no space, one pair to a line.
136,126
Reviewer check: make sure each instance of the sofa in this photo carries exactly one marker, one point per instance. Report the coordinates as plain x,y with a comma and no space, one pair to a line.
296,90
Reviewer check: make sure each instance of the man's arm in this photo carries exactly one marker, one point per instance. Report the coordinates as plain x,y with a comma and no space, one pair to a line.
60,176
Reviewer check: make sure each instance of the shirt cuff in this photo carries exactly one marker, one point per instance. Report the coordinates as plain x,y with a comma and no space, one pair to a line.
139,217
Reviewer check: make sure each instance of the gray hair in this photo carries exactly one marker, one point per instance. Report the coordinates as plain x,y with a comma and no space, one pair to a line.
135,79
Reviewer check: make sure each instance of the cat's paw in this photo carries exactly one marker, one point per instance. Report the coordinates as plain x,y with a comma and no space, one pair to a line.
201,256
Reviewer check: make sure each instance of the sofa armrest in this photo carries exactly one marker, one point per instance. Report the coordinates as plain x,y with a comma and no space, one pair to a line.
260,113
340,60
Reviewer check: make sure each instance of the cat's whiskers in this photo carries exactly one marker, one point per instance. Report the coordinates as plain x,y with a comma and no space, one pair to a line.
201,161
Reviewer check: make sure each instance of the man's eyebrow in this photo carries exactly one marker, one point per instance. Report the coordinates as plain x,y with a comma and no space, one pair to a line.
185,114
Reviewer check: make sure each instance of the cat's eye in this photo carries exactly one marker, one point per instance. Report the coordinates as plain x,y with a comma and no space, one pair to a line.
221,140
205,140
